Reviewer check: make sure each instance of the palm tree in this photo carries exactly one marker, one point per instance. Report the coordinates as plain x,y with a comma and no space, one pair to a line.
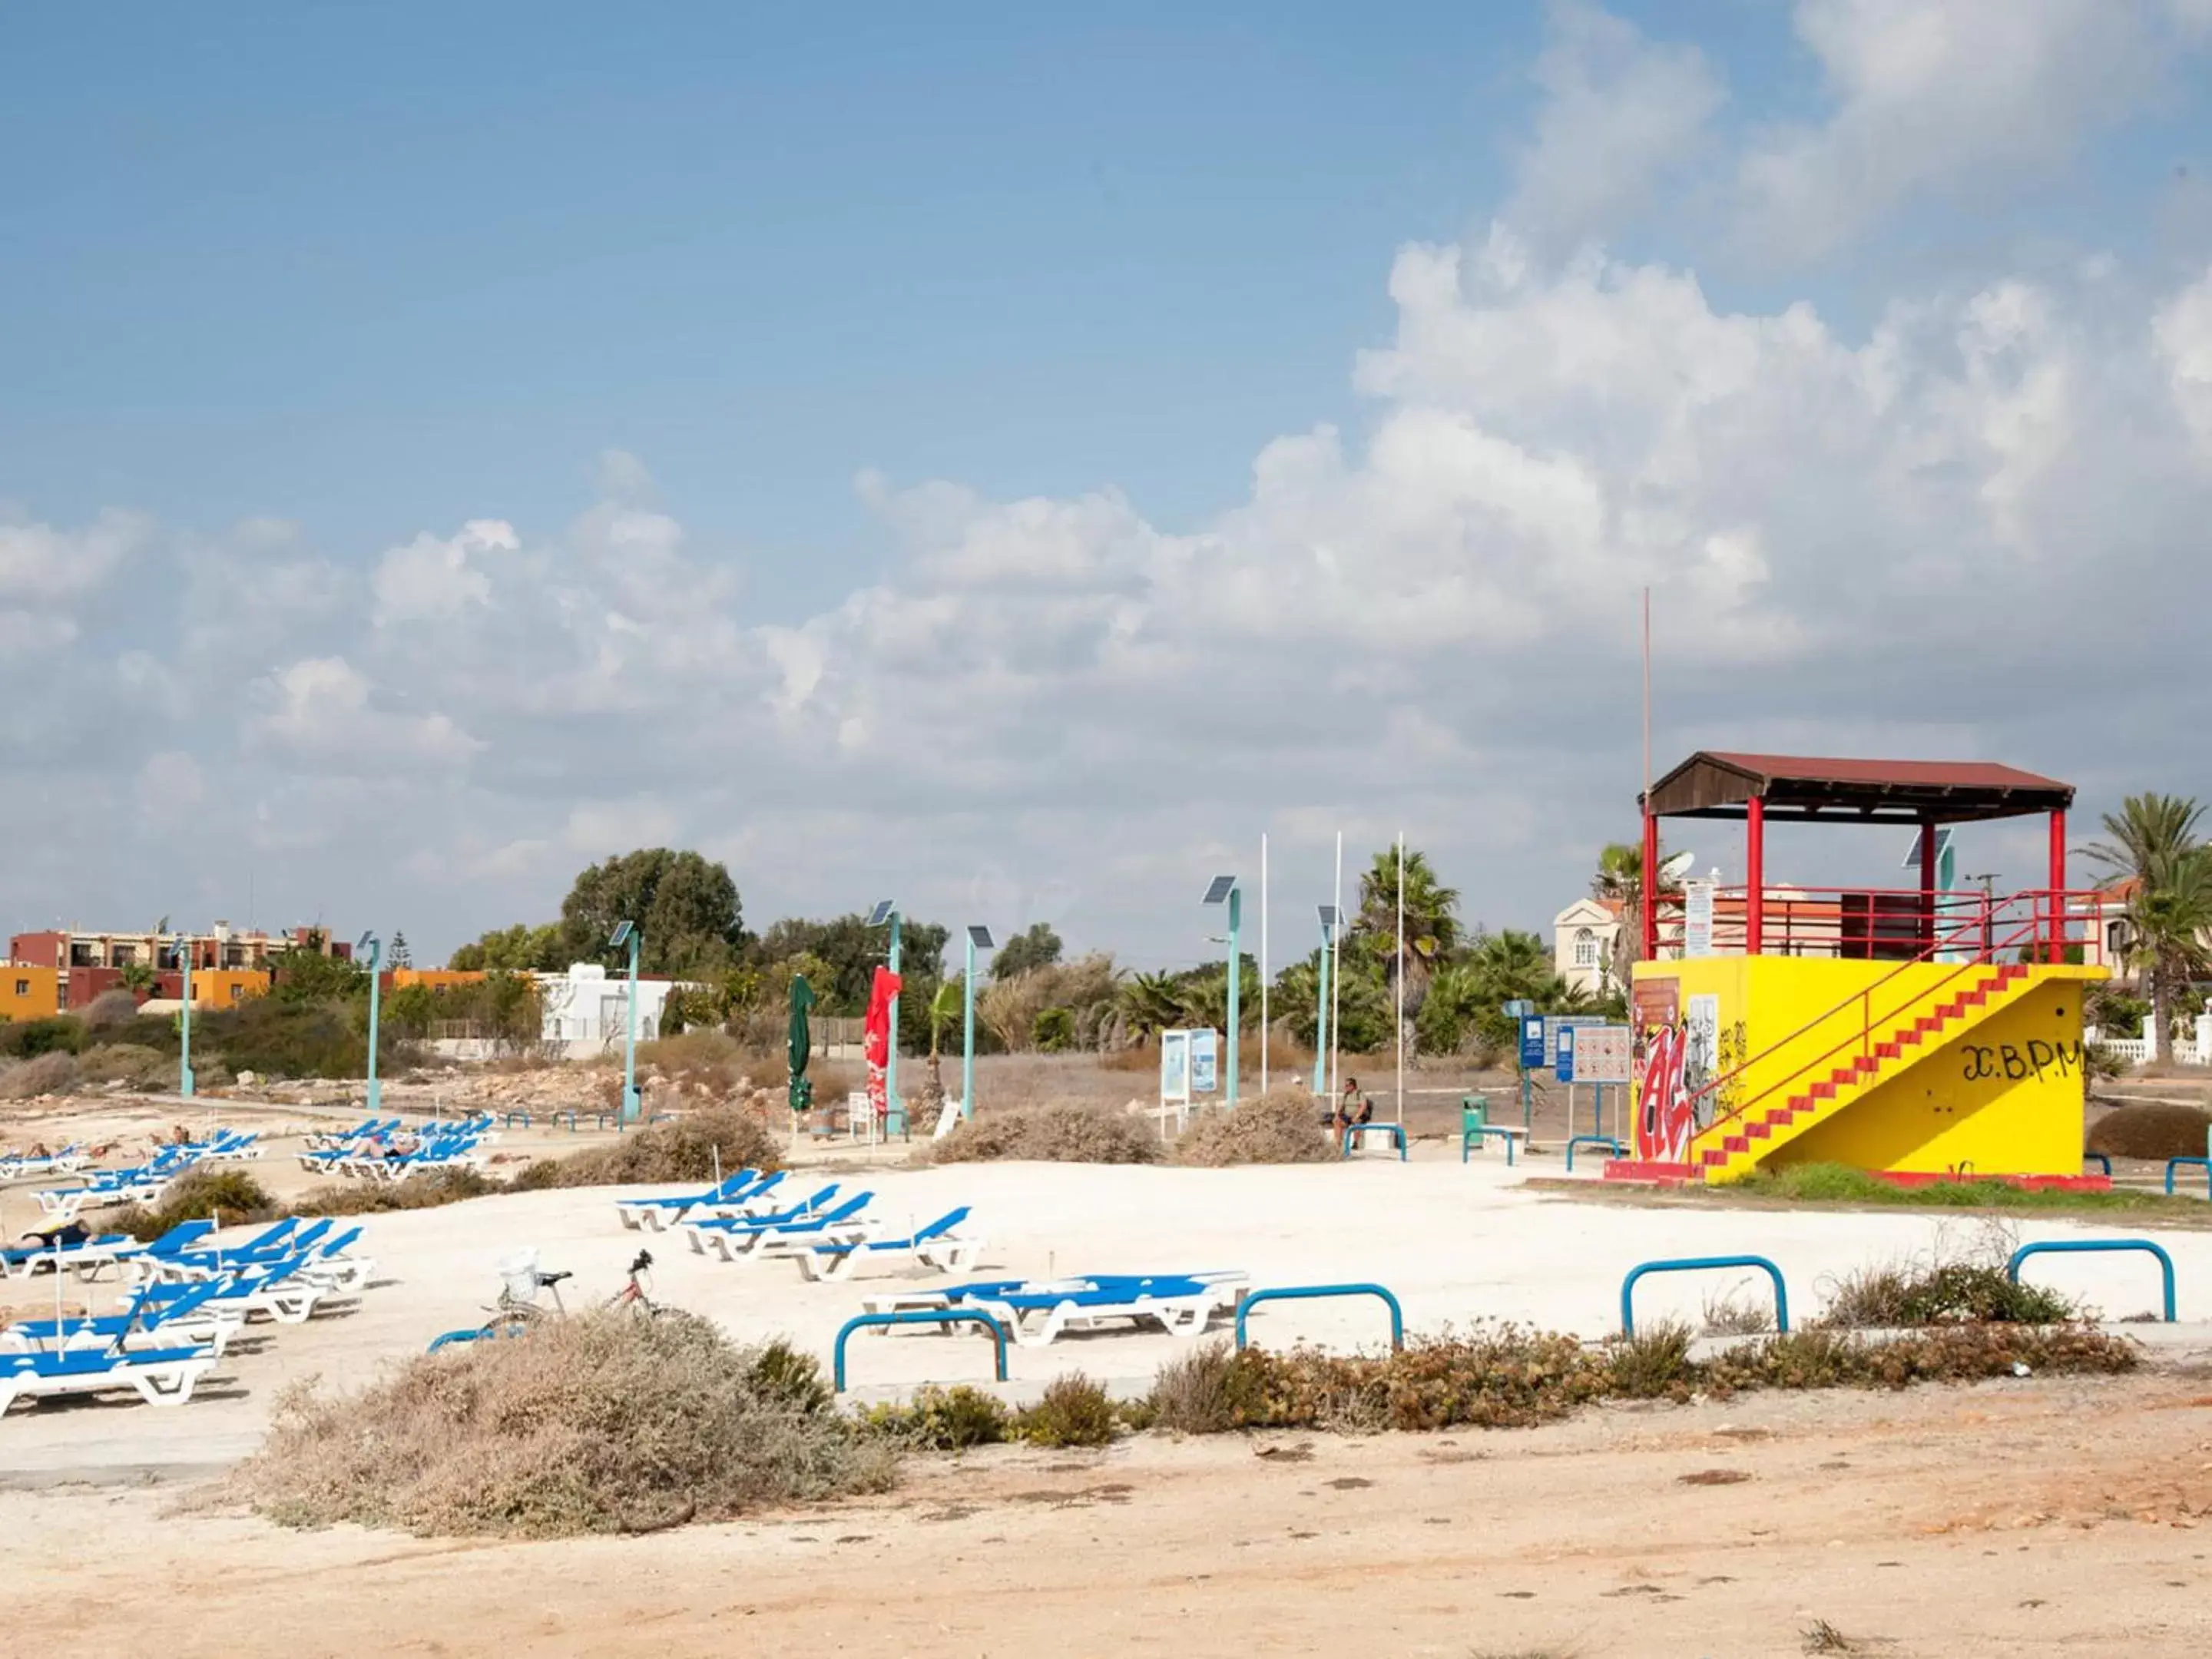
2155,848
1619,880
1151,1003
1432,931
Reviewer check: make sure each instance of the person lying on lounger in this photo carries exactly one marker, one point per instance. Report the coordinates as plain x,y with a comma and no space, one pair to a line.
64,1236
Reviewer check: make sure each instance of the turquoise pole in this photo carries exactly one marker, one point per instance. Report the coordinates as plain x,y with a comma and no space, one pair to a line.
967,1037
1236,983
185,1081
375,993
1321,1023
630,1105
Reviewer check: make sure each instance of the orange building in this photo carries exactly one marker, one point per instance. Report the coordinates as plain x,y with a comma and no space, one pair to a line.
28,990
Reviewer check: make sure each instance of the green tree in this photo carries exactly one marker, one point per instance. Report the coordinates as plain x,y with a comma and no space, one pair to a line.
1036,946
1431,926
1151,1004
305,975
1052,1031
409,1010
849,952
686,907
519,949
2155,846
138,978
402,955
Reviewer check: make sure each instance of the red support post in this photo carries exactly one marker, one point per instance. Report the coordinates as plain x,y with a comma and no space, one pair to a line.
2057,950
1754,892
1929,837
1651,884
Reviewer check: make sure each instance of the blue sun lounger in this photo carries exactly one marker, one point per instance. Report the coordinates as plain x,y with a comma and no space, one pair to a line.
1035,1313
162,1376
655,1213
937,1245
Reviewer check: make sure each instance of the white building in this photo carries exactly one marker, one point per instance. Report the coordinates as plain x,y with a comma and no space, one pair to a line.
587,1009
1582,936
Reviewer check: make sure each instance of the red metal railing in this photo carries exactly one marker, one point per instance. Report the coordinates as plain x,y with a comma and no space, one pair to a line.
1900,924
2034,923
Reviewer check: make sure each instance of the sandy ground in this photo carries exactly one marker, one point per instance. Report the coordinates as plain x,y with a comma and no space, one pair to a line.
2003,1519
2012,1518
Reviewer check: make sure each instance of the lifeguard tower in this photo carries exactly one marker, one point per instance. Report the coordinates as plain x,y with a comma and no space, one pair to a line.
1916,1033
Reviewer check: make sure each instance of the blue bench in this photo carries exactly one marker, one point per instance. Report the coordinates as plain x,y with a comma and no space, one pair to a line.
1478,1132
1395,1131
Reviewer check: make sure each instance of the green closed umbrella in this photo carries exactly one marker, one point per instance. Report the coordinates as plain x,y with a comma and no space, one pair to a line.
802,1044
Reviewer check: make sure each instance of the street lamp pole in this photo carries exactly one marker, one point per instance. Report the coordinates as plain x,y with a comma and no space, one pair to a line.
374,947
891,1062
1223,890
979,938
1321,987
626,933
184,1079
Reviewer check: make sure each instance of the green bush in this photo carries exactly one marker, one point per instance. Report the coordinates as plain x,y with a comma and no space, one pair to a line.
28,1039
944,1419
1074,1411
1946,1292
233,1196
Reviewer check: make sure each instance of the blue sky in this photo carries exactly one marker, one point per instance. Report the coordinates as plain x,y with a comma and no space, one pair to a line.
1021,455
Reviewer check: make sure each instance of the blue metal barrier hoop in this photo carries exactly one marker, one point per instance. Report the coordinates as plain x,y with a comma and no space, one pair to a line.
1699,1263
2173,1164
1316,1293
1611,1141
2100,1157
2083,1246
918,1316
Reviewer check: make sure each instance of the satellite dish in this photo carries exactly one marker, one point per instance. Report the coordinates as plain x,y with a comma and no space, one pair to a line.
1678,866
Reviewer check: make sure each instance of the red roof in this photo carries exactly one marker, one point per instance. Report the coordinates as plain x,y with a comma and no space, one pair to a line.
1935,775
1718,783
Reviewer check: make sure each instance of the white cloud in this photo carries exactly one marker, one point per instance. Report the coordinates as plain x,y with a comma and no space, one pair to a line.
1618,113
2182,335
169,784
1929,93
320,712
42,566
432,579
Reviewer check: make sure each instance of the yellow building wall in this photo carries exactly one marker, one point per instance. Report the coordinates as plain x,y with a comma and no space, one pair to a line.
2005,1096
438,979
1786,1022
225,988
29,992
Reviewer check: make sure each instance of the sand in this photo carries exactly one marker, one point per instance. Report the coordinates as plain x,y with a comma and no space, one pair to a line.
1580,1537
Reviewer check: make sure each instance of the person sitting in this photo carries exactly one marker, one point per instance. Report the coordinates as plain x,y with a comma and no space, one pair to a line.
1354,1110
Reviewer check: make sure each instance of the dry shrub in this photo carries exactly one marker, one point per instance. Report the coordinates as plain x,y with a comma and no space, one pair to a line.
1205,1391
427,1191
51,1073
1739,1311
111,1009
683,1149
2152,1129
233,1196
1281,1127
1505,1377
600,1423
130,1063
1058,1132
1074,1411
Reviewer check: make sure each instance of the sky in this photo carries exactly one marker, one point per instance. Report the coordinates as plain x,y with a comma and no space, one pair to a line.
1012,459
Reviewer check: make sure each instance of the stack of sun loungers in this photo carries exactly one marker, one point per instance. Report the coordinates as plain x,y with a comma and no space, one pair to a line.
830,1234
191,1298
1036,1312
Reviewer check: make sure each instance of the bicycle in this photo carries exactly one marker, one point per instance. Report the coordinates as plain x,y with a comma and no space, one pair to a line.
634,1294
